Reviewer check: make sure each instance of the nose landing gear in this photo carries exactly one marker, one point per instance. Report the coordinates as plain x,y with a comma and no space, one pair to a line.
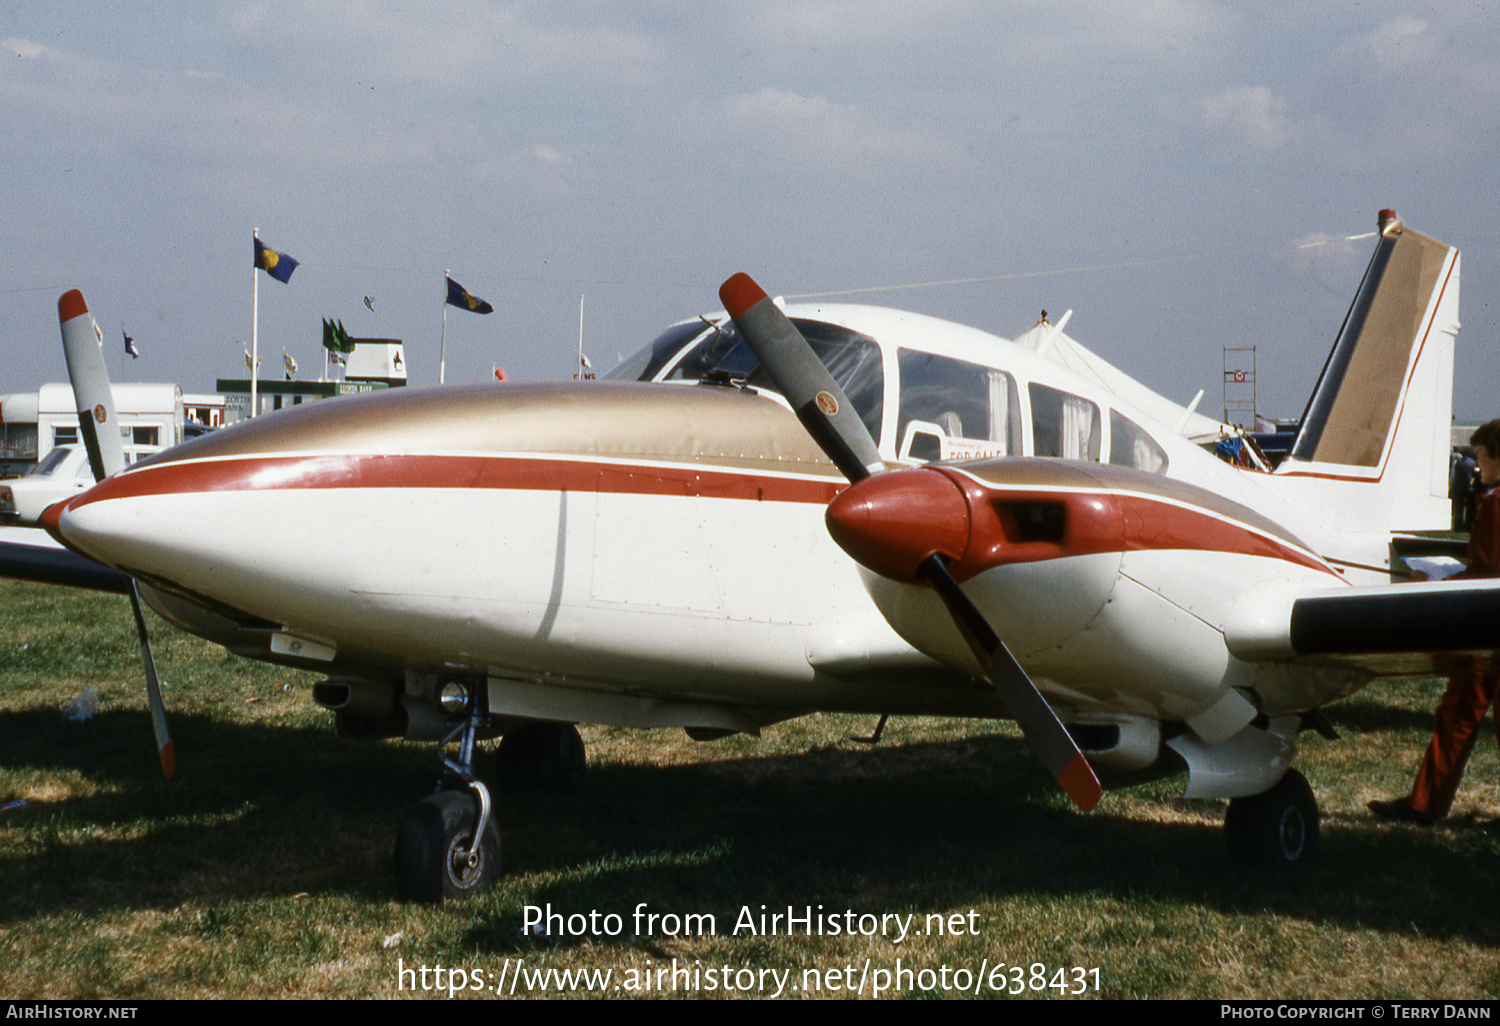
448,844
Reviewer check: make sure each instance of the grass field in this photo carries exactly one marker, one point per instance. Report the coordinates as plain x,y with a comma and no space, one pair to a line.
264,869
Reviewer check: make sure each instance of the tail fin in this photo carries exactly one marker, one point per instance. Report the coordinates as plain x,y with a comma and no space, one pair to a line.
1373,447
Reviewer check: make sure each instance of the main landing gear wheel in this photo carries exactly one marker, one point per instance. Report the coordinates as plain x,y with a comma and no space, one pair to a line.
545,757
435,860
1277,830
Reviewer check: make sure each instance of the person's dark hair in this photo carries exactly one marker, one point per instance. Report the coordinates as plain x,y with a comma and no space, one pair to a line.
1488,436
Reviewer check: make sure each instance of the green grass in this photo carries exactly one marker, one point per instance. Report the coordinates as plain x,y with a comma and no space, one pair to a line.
264,869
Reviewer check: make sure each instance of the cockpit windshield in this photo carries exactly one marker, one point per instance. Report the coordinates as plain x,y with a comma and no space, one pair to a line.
716,353
853,360
647,364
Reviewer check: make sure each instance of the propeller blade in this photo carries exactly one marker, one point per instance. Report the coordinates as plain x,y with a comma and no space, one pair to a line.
1049,739
165,752
101,437
820,404
91,391
835,425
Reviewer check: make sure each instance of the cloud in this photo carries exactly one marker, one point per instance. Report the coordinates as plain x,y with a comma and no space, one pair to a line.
1398,43
1333,262
816,130
540,171
1252,116
468,45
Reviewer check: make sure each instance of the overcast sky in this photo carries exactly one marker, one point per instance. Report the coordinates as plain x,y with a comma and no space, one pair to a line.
638,154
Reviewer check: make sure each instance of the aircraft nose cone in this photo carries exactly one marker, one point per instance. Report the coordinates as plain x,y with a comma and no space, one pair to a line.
891,522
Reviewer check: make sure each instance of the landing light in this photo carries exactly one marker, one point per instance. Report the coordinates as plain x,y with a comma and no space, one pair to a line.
454,697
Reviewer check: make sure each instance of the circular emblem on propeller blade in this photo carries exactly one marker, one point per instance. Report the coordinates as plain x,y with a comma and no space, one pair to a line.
99,413
827,403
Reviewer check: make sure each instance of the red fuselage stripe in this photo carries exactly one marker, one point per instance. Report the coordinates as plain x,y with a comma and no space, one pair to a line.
1168,526
519,473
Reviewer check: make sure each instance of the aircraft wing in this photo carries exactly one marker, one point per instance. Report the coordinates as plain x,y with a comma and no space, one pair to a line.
1388,630
30,554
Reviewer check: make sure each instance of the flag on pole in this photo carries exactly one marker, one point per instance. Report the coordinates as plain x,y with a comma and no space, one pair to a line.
130,346
335,338
289,363
248,364
277,265
465,300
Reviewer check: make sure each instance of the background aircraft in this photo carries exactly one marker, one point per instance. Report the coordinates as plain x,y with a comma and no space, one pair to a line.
501,559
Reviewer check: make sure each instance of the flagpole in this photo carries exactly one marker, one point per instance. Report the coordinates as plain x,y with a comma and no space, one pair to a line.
254,330
443,344
578,367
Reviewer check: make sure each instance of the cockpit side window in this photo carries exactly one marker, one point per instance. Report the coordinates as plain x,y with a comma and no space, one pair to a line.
1131,446
1063,424
961,400
648,362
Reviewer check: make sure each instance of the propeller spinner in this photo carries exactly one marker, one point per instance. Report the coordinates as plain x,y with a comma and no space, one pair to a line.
832,421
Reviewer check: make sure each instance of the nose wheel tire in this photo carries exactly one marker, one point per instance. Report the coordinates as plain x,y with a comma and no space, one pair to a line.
434,862
1277,830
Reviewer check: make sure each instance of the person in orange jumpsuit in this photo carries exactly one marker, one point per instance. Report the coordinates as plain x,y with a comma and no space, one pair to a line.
1461,712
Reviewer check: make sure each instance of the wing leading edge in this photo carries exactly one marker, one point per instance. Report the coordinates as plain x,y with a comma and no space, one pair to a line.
1387,630
28,554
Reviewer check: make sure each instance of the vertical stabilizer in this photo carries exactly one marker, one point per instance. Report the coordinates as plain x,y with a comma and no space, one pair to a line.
1372,451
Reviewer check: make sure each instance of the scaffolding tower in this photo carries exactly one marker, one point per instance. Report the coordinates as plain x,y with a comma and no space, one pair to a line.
1239,386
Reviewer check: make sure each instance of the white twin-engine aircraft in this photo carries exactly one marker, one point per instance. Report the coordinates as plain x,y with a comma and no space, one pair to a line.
806,508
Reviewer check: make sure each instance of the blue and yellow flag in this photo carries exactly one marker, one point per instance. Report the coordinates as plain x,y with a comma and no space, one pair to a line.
277,265
465,300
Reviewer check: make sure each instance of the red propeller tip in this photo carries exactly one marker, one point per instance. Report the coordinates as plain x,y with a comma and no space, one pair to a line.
71,305
1080,783
168,757
739,294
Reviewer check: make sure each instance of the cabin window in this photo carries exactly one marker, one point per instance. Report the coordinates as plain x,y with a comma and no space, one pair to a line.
1130,446
1063,424
143,436
65,435
951,409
